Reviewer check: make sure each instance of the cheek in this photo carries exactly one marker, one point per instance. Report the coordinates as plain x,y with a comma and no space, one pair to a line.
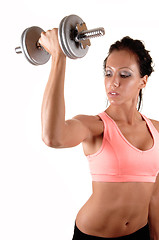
133,84
107,83
130,83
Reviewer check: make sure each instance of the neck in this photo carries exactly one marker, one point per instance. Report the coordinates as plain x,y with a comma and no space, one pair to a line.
129,116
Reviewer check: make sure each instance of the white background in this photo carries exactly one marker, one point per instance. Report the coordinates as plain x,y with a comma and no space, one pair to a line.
42,189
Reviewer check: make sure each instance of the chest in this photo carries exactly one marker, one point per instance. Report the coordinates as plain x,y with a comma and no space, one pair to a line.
139,136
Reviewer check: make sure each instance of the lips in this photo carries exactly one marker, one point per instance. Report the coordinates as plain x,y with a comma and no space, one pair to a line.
113,93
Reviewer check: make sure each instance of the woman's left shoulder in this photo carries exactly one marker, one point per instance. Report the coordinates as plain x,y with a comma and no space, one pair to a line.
155,123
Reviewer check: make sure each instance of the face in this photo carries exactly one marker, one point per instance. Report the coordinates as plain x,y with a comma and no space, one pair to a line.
123,76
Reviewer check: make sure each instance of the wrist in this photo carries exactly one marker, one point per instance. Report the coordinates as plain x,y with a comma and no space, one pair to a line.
58,61
58,57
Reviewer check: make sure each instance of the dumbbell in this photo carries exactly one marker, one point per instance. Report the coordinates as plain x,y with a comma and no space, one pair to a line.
73,38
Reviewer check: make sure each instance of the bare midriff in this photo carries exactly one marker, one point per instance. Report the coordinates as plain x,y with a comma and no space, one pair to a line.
115,209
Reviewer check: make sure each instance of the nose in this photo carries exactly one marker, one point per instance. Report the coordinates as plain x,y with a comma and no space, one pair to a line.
114,83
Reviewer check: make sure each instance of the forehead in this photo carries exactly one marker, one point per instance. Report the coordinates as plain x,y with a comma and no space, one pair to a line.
122,58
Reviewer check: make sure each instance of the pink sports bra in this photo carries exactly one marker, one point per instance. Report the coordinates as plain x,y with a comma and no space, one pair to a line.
117,160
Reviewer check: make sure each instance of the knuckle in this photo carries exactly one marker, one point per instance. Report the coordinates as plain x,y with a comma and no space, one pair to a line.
54,30
42,34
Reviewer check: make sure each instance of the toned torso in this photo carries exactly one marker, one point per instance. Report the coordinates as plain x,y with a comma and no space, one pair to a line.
117,209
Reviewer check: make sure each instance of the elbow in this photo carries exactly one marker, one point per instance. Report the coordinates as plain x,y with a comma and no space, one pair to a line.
51,142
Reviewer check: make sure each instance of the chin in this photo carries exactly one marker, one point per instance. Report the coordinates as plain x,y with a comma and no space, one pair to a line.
114,102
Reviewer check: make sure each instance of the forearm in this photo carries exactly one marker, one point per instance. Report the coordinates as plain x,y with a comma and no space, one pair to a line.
153,234
153,220
53,104
153,237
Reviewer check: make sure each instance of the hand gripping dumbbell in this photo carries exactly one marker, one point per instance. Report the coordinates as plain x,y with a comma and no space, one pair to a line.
73,38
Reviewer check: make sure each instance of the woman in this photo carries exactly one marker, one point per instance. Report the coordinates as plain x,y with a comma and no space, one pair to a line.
121,144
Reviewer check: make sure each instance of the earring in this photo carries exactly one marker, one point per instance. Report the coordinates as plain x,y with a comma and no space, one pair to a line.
107,102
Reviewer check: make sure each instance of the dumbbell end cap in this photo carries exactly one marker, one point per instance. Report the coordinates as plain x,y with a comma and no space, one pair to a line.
18,50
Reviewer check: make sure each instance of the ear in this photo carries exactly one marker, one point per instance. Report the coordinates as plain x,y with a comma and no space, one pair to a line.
143,81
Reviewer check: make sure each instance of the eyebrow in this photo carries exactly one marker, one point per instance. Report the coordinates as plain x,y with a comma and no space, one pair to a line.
121,68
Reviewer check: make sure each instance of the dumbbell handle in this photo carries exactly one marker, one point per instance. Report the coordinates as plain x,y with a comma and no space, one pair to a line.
84,35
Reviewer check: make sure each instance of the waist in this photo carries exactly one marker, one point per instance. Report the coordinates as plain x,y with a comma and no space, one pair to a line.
117,206
111,220
142,232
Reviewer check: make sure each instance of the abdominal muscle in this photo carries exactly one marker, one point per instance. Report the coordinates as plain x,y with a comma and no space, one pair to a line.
115,209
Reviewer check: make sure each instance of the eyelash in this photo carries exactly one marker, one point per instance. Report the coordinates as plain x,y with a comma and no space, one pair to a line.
122,75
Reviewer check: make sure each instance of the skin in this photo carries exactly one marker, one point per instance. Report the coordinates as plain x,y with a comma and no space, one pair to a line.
122,70
118,209
113,209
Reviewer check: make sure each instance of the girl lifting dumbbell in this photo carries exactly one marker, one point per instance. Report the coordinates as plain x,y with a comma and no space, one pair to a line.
120,143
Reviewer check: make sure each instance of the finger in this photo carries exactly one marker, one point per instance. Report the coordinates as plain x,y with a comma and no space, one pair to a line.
43,34
39,40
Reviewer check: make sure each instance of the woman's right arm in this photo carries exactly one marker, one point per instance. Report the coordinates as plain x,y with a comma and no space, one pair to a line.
56,132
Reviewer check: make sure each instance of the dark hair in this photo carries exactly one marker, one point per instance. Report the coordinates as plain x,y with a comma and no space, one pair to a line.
144,59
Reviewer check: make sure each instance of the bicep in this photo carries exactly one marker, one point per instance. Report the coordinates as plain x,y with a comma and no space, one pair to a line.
76,131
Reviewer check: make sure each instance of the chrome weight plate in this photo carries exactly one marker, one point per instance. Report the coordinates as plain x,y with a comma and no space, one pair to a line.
62,40
66,34
29,40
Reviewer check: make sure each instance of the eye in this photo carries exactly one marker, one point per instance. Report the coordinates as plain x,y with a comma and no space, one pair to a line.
108,73
125,74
